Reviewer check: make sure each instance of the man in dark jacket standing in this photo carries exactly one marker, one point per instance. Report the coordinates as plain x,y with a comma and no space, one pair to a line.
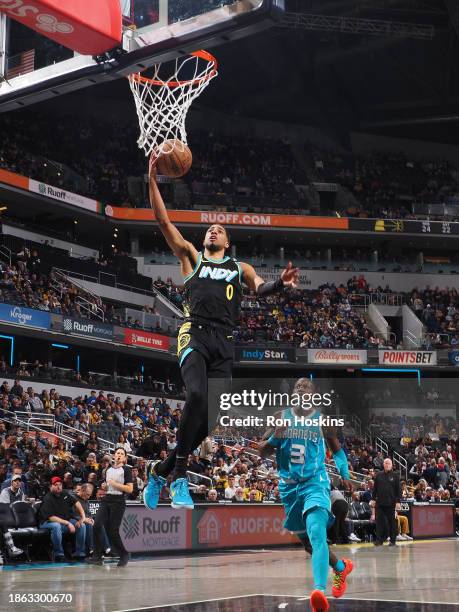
386,494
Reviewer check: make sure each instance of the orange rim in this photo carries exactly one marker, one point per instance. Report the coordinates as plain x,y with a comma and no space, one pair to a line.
205,55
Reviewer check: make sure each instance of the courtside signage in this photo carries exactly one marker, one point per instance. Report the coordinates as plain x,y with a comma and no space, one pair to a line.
26,317
56,193
145,531
239,526
407,358
137,337
229,218
92,329
432,520
337,356
263,355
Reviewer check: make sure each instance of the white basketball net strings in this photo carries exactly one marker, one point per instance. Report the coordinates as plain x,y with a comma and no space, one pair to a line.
162,109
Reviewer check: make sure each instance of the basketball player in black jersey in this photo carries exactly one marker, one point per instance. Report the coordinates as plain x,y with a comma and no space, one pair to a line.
213,293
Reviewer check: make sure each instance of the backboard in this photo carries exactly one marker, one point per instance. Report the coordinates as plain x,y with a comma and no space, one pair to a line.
35,68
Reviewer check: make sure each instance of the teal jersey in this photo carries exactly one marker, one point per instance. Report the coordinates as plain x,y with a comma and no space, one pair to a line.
301,453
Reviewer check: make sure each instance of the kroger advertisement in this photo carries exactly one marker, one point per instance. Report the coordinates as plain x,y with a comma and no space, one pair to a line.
26,317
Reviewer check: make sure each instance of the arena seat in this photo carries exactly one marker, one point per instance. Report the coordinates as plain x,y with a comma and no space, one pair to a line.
26,518
7,518
360,515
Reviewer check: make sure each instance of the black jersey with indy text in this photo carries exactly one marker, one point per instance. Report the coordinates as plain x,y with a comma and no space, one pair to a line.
213,292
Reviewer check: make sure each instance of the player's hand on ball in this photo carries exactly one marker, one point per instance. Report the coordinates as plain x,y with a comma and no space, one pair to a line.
290,276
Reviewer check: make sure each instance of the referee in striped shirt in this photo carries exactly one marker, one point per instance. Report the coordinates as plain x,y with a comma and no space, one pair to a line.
119,484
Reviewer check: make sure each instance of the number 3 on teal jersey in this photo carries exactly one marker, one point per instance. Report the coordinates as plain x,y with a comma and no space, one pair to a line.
297,453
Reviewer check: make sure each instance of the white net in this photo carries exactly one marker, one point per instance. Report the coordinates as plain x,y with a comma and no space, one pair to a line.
163,103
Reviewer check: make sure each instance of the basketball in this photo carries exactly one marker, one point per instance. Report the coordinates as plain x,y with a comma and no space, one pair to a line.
176,159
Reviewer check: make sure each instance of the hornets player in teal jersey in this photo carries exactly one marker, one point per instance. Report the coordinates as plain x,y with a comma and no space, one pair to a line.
305,489
213,293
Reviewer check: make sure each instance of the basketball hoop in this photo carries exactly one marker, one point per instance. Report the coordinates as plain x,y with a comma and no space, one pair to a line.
163,104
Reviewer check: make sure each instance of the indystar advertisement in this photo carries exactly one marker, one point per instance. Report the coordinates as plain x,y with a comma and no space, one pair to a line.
252,354
25,317
89,328
408,358
337,356
56,193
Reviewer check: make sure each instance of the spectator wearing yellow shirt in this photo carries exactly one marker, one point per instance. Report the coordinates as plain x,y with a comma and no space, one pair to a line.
242,485
90,466
94,417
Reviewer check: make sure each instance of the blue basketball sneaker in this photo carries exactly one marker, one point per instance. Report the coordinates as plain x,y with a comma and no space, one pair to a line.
152,491
180,494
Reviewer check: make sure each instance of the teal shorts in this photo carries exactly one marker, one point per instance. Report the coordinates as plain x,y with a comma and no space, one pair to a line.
300,498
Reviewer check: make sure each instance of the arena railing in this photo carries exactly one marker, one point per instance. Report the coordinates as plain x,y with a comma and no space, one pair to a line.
62,429
200,477
98,281
401,463
356,423
27,426
148,320
382,446
87,300
32,418
368,436
5,254
356,477
378,299
410,340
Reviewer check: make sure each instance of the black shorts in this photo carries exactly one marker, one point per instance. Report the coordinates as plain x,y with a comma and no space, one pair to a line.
215,344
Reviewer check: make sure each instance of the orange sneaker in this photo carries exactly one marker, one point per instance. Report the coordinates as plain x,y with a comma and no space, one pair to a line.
339,579
319,603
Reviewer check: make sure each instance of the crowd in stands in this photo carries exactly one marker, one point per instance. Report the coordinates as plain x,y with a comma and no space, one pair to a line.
226,469
323,318
30,282
311,319
438,309
433,465
24,284
92,157
260,172
385,184
326,317
248,172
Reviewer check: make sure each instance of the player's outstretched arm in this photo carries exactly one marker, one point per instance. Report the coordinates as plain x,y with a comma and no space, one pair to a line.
339,457
288,278
179,246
